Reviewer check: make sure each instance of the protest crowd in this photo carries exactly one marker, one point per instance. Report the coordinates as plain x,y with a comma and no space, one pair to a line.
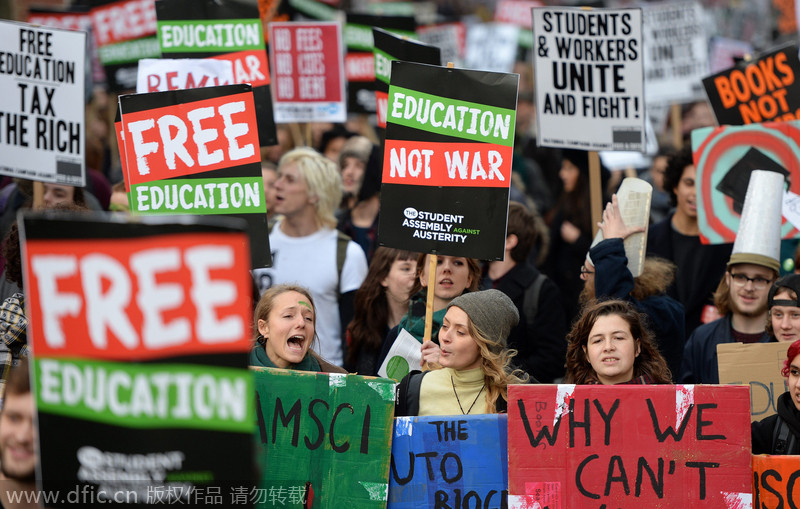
623,263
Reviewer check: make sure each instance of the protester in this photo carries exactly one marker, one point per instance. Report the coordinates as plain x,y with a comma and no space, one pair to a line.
359,218
285,318
610,345
570,230
307,250
379,305
780,433
677,239
454,276
660,201
741,296
332,141
538,338
783,323
474,361
17,441
606,275
353,160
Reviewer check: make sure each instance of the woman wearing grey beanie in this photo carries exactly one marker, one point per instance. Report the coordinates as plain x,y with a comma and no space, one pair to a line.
475,363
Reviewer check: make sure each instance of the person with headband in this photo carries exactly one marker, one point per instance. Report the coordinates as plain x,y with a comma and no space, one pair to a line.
780,433
475,363
783,321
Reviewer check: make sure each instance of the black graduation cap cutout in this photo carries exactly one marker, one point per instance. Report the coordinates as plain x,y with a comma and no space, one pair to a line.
734,183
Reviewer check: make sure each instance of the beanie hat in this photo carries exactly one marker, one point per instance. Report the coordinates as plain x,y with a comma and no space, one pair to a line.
358,147
491,311
792,282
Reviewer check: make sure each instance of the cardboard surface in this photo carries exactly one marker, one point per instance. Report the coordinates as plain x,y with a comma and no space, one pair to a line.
628,446
323,440
449,461
758,366
775,481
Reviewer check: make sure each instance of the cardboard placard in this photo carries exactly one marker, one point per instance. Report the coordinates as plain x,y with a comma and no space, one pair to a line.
725,156
42,119
225,30
449,461
307,72
162,74
141,331
389,47
125,32
775,481
447,160
757,365
450,38
765,89
196,151
589,78
492,46
323,440
675,51
628,446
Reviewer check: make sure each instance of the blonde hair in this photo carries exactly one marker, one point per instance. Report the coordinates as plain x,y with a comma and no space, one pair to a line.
322,179
498,373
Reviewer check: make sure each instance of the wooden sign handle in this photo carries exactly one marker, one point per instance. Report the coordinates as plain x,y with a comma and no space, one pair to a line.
595,190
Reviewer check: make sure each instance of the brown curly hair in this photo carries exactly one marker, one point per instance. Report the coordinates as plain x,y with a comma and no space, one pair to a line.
649,362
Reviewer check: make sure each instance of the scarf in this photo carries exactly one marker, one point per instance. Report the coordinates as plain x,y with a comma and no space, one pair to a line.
414,320
259,358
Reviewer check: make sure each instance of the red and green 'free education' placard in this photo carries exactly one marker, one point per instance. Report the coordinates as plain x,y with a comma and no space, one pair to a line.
447,160
140,332
196,152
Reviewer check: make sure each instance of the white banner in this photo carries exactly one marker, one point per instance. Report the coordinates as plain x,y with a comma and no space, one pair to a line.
589,78
42,118
162,74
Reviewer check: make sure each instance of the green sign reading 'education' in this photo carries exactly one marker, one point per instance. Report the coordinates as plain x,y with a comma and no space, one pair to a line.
238,195
210,35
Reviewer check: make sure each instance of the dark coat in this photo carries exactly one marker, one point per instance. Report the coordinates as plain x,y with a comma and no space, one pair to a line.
665,314
764,430
700,354
541,344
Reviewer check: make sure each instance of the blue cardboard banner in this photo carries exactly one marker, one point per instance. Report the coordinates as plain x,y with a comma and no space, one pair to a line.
449,461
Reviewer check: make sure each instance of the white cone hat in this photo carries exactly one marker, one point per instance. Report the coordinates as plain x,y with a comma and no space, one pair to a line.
759,238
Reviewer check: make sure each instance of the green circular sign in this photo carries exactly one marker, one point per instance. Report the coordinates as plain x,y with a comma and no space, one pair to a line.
397,367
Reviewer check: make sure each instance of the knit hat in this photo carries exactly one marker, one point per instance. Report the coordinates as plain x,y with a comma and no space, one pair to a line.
358,147
792,282
491,311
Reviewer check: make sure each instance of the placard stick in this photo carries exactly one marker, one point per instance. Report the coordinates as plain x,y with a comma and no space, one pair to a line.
297,135
309,140
677,128
432,262
595,190
38,195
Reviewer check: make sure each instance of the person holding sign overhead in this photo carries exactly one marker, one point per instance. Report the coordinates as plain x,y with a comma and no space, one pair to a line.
476,365
285,319
610,345
780,433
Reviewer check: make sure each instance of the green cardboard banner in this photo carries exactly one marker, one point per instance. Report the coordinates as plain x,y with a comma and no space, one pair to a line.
323,440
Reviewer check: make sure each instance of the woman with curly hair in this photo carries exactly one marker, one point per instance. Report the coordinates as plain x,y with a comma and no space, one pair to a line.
474,361
610,344
780,433
379,305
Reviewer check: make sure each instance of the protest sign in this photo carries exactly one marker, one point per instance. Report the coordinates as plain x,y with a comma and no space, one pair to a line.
359,62
675,51
725,156
492,47
403,356
628,446
160,75
196,151
141,332
589,78
389,47
449,461
75,18
450,38
447,160
323,440
307,72
42,118
775,481
724,52
223,30
759,366
761,90
124,31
